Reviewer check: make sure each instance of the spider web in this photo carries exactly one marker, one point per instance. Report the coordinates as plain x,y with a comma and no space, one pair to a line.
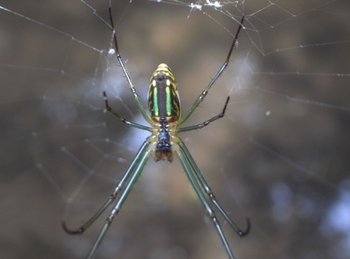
280,155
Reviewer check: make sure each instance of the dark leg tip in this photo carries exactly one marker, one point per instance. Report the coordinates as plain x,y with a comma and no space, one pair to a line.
72,232
244,233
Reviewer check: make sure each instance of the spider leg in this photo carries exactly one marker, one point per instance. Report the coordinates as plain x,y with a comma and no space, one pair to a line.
143,156
206,123
191,174
131,170
122,119
126,73
201,97
209,192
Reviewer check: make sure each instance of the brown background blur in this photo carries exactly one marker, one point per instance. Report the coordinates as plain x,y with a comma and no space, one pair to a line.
280,156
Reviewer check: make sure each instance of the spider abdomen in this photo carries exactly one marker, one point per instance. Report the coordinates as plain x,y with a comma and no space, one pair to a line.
163,97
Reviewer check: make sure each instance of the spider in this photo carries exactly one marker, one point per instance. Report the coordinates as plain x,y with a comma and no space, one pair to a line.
163,143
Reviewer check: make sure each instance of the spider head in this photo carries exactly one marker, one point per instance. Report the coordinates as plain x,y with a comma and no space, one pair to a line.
163,147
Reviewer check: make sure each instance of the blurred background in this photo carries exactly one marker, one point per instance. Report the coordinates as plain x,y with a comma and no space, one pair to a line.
280,156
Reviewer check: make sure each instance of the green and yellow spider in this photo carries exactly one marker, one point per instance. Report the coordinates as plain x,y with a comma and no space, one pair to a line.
163,143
